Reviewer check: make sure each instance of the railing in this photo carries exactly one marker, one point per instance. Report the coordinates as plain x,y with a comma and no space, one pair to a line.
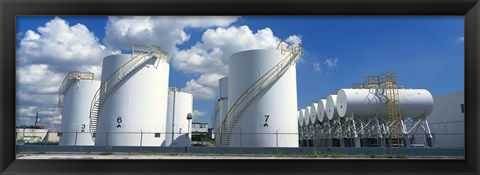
140,54
268,78
69,79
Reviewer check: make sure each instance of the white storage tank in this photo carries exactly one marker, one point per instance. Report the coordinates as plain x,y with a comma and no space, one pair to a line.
180,104
313,112
223,106
76,113
308,114
134,114
362,102
331,110
322,105
223,102
270,117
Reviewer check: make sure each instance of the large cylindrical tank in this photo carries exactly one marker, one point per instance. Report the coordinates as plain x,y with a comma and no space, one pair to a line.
223,102
76,112
180,104
134,114
308,114
223,106
313,112
331,110
270,117
365,103
322,105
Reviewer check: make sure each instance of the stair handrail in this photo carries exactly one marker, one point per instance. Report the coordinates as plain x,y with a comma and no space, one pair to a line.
67,81
138,52
285,47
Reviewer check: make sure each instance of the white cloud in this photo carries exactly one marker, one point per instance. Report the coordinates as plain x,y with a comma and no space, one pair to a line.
199,91
44,57
163,31
460,40
331,62
294,39
209,57
39,99
197,113
316,67
62,46
37,78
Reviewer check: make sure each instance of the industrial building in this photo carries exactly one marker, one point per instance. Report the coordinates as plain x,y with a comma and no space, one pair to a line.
447,120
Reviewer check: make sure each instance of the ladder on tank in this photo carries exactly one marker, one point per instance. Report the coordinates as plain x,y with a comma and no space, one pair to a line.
395,134
67,82
242,102
140,55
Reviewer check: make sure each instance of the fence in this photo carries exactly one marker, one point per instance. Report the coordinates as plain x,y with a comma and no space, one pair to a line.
241,139
269,143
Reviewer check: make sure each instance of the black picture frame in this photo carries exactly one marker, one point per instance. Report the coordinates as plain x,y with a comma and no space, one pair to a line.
11,8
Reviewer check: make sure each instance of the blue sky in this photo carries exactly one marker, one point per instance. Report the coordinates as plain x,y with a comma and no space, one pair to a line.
425,52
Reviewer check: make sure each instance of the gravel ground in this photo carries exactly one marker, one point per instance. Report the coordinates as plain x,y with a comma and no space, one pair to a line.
189,156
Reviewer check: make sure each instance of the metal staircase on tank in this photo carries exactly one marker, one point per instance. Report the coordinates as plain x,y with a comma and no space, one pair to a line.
388,82
291,53
140,55
67,82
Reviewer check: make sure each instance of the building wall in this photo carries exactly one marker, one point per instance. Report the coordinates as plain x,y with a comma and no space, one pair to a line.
447,121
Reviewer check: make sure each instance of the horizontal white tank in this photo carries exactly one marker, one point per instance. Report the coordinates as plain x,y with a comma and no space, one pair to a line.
135,113
308,113
363,103
271,115
180,104
322,105
332,113
76,113
301,116
313,112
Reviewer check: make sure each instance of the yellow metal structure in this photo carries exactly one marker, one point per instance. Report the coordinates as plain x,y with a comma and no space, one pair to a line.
69,79
242,102
140,54
388,82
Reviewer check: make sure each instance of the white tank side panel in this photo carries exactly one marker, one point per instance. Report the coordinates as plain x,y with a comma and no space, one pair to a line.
278,102
313,112
362,102
112,63
331,109
301,116
137,109
177,119
76,113
322,103
221,115
308,111
223,87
